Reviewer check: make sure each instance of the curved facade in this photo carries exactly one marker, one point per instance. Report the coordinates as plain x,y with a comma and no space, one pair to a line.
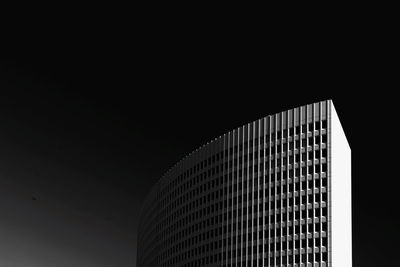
257,196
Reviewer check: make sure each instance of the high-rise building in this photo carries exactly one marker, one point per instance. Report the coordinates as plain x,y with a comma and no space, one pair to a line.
274,192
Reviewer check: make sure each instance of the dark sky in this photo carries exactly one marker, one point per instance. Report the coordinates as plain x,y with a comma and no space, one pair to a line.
91,117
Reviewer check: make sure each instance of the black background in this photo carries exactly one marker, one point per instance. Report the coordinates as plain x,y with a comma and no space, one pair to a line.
93,112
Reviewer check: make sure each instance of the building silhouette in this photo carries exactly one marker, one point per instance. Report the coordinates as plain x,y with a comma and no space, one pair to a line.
274,192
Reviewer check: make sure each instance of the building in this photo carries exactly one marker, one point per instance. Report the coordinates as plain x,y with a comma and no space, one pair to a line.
274,192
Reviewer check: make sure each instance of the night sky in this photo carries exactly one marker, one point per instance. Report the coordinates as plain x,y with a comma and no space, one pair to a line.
90,119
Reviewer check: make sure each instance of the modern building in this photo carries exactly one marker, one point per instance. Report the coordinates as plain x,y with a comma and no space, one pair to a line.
274,192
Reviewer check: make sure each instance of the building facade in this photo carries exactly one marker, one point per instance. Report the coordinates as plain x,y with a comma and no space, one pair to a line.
274,192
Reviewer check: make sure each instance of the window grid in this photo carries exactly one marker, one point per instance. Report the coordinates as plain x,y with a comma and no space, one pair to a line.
257,196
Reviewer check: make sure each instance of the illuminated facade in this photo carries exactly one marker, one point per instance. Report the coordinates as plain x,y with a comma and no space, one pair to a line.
274,192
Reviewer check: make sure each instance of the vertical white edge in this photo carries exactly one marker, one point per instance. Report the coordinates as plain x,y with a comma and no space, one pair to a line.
341,232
